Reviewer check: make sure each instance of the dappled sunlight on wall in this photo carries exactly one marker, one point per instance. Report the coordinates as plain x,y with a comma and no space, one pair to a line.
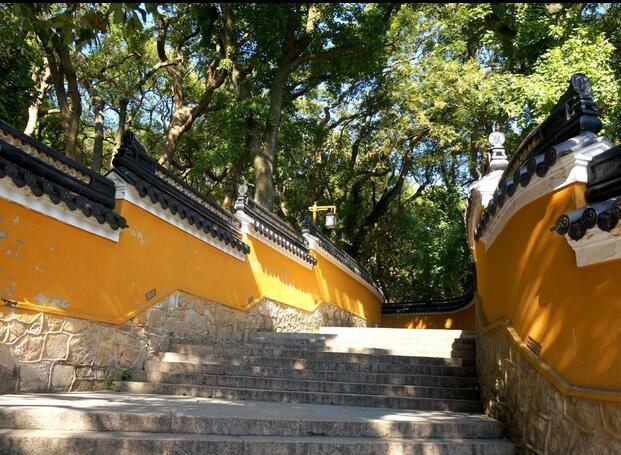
459,320
334,287
50,266
529,274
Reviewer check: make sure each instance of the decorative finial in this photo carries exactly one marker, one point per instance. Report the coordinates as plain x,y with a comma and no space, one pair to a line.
130,141
497,139
498,159
242,190
581,83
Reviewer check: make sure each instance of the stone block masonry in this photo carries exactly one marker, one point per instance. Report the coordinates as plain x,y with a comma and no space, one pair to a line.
539,418
47,352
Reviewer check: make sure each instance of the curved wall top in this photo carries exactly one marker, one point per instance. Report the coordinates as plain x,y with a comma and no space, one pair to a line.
547,254
78,244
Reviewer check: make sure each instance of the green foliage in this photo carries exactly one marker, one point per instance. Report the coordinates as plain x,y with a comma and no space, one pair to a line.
385,107
127,375
111,384
587,52
434,259
17,89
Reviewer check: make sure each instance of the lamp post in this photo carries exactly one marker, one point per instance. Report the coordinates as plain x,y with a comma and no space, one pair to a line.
330,216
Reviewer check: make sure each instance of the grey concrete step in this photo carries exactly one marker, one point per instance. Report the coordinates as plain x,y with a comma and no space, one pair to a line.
13,442
245,350
386,334
362,366
359,341
340,399
33,442
171,414
457,345
376,334
398,336
430,376
252,382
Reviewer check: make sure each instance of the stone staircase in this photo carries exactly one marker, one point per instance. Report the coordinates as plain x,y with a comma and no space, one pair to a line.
363,391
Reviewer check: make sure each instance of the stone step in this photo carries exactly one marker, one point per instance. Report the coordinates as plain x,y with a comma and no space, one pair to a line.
361,342
393,334
252,382
417,351
13,442
432,365
426,379
286,396
170,414
376,334
466,357
390,331
353,346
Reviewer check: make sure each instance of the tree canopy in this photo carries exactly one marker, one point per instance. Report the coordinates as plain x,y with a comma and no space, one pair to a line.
381,109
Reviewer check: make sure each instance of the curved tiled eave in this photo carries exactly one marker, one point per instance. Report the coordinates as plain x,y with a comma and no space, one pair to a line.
276,232
283,242
57,194
570,125
570,167
593,230
157,184
603,215
339,257
182,211
440,306
575,112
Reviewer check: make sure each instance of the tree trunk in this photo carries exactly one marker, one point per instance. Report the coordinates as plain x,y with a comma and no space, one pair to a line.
61,70
98,107
123,102
72,114
264,159
184,115
179,124
293,57
71,129
43,84
232,179
389,194
234,173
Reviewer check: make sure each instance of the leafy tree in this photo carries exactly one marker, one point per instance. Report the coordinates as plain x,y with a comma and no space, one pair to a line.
17,88
381,109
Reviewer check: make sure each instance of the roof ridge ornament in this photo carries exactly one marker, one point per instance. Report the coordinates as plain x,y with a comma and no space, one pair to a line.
581,84
574,113
172,193
131,142
498,160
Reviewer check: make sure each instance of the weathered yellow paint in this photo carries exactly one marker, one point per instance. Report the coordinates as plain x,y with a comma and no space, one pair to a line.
459,320
541,366
529,276
46,265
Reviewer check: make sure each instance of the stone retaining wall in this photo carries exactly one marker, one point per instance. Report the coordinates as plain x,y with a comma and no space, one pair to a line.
46,352
539,418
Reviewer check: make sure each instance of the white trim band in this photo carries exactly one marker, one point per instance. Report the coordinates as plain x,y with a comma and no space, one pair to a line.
569,169
247,228
128,193
597,246
60,212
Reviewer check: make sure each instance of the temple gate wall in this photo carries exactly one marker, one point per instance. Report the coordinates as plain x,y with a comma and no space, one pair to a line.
463,319
548,307
98,273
